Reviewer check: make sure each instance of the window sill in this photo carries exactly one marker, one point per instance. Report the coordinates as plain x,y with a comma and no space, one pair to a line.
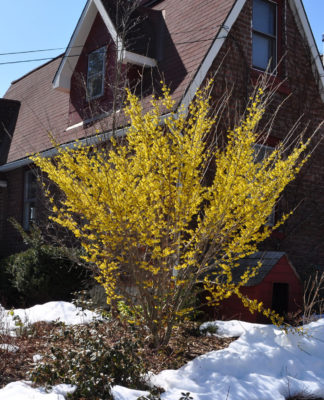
274,81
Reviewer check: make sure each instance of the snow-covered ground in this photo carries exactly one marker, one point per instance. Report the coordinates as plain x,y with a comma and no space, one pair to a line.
52,311
263,364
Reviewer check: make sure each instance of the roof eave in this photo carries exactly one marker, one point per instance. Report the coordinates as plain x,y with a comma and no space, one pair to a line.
62,78
137,59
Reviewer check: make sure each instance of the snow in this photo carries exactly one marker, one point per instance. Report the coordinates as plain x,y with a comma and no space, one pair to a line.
264,363
230,328
52,311
23,391
9,348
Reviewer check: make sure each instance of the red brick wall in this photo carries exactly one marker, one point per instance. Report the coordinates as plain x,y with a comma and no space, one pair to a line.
11,241
80,108
302,235
3,206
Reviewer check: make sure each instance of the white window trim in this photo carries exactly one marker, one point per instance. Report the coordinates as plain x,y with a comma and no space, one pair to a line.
274,70
102,73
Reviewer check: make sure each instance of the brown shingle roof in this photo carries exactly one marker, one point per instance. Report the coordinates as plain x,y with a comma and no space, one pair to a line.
42,110
268,260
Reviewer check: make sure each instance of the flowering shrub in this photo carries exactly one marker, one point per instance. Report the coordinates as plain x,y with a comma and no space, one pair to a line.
149,222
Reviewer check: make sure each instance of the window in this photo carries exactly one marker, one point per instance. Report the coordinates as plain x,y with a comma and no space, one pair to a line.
96,73
264,37
30,194
261,152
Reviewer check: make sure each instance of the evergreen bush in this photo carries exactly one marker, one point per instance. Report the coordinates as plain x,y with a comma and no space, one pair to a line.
41,273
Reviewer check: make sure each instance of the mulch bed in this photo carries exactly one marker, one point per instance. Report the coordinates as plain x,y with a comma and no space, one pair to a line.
183,347
14,365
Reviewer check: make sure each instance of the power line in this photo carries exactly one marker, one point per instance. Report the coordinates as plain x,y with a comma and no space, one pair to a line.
77,55
72,47
37,51
34,60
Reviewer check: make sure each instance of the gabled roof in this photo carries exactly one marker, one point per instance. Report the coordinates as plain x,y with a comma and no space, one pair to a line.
126,53
304,28
306,32
221,15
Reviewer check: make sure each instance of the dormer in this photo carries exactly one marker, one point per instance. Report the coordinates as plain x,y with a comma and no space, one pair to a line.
130,30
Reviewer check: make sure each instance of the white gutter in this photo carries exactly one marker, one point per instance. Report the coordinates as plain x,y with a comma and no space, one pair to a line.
89,141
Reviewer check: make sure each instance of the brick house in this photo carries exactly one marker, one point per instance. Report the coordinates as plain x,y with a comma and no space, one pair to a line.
77,94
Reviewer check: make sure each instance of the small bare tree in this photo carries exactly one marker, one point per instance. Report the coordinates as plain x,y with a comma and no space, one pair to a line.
313,299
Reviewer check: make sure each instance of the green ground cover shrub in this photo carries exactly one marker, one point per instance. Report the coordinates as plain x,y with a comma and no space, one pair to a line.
82,355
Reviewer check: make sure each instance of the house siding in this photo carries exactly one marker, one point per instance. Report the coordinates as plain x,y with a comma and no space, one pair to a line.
3,206
301,236
12,200
79,108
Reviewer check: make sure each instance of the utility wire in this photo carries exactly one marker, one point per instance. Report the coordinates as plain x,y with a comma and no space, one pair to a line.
34,59
37,51
77,55
72,47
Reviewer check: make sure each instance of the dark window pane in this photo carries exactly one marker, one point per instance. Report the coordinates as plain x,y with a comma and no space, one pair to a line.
261,152
263,50
95,62
31,186
264,17
32,211
96,73
30,198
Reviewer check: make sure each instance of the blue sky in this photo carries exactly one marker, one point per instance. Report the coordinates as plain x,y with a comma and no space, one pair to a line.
34,25
46,24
